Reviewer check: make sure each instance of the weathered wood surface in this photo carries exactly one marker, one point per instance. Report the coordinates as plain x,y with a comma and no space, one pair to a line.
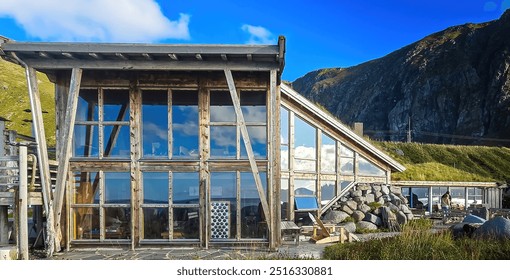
22,204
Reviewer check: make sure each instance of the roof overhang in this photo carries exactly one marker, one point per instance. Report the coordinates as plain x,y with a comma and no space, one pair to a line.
45,56
343,129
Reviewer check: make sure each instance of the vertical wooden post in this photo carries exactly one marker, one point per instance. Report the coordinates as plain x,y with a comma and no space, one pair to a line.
42,152
135,98
65,150
291,166
274,159
247,144
22,204
203,111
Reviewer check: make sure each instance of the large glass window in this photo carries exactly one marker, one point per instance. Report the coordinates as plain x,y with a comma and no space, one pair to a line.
458,197
284,196
328,191
416,197
284,138
253,222
304,146
101,208
368,168
328,154
185,124
475,195
102,117
155,123
223,205
346,160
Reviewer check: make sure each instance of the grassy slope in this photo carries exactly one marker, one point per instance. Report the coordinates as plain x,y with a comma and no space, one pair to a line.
14,100
432,162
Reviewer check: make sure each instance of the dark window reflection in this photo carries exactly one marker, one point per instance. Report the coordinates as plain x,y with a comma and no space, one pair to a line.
86,141
117,187
116,105
117,222
253,222
155,187
185,188
86,223
155,223
222,108
186,223
253,106
155,123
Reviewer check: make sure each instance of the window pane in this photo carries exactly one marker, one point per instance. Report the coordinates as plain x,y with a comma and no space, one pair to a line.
155,187
185,188
253,106
86,141
284,196
304,187
344,184
328,154
418,198
116,105
346,165
304,165
252,216
306,203
328,191
223,189
223,141
222,109
116,141
155,223
304,140
185,124
186,223
437,192
117,187
458,198
284,156
368,168
117,223
86,223
346,152
86,188
258,141
155,123
87,109
475,196
284,125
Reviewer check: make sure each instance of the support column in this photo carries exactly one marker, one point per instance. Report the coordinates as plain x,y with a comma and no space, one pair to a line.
4,220
22,204
203,111
274,159
42,152
65,151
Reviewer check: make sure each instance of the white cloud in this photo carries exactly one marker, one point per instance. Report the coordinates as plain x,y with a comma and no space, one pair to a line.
258,35
95,20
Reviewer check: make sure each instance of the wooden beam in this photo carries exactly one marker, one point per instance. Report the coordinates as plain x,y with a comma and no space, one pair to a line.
274,159
135,101
22,204
42,152
247,144
204,136
65,151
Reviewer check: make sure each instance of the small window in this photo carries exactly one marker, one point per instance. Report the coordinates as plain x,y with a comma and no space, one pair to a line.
308,203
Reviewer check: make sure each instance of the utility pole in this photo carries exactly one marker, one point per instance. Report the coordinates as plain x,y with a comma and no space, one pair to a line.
409,140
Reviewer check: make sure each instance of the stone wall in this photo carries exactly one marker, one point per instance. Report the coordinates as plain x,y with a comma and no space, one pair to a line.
370,207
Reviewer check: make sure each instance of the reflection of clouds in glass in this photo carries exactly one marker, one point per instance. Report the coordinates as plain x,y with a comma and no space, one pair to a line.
189,128
328,157
284,158
223,114
304,152
368,168
257,134
223,136
150,128
254,113
304,187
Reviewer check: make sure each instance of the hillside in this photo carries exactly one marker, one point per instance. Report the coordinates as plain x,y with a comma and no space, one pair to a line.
453,85
15,105
433,162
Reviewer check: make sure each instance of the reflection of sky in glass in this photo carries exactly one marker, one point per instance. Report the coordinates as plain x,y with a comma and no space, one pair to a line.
155,123
86,141
223,186
222,109
284,125
304,187
346,165
116,105
248,186
346,152
223,141
117,187
185,131
118,141
304,136
253,106
86,188
328,154
254,113
284,157
368,168
284,190
87,109
155,187
185,188
258,141
327,191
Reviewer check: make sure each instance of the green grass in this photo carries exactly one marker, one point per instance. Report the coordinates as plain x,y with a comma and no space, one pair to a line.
15,104
433,162
417,244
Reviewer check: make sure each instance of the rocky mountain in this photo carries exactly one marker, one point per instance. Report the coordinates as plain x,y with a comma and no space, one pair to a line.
453,86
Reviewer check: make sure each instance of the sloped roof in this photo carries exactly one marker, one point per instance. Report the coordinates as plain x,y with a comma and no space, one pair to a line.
341,128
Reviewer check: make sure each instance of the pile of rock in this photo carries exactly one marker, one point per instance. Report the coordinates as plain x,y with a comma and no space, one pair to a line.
370,206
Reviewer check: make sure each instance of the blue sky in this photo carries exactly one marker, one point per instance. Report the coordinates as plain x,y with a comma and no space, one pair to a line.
319,34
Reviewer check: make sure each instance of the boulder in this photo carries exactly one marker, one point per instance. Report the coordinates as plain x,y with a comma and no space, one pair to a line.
377,211
374,219
335,217
378,194
498,227
380,200
366,225
463,229
395,190
395,199
410,216
402,198
364,208
392,207
343,199
401,218
388,217
360,199
405,209
346,209
349,226
358,215
363,187
376,188
369,198
472,219
352,204
356,193
385,190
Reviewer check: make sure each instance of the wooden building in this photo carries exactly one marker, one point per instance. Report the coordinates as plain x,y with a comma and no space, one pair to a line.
174,145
